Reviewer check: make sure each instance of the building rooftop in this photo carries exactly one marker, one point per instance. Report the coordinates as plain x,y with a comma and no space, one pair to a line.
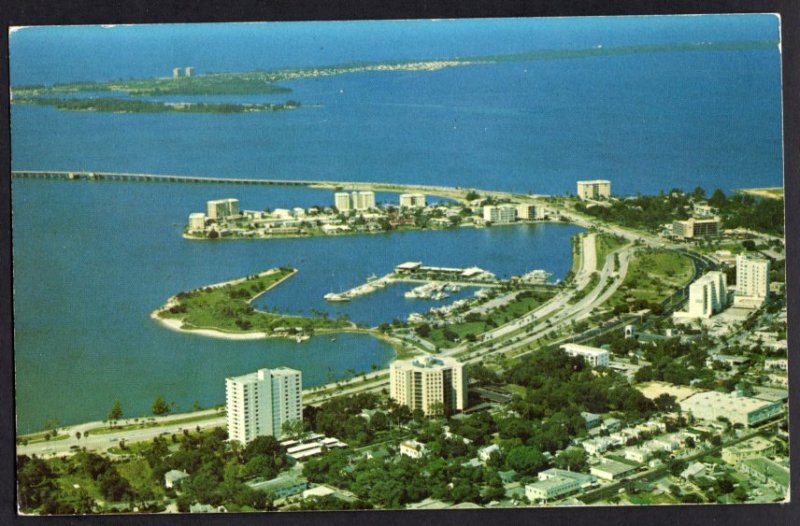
769,469
613,467
738,405
575,347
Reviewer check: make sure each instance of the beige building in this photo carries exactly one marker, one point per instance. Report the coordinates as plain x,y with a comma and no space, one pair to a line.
594,189
693,227
531,212
259,403
708,295
197,222
710,405
752,280
757,446
412,200
341,200
434,385
506,213
222,208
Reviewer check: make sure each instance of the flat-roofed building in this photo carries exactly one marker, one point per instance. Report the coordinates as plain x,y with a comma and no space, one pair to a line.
757,446
259,403
710,405
412,449
197,222
767,472
505,213
531,212
594,356
611,469
694,227
341,200
708,295
434,385
222,208
594,189
551,488
412,200
752,279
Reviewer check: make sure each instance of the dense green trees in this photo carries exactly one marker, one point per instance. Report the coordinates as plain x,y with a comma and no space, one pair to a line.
116,412
160,406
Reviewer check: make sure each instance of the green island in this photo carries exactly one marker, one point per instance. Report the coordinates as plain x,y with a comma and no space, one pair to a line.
115,105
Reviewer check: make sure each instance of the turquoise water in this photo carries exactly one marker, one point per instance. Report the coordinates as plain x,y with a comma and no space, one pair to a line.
91,261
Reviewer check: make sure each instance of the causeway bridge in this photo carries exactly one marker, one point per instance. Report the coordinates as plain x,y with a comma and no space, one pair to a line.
456,193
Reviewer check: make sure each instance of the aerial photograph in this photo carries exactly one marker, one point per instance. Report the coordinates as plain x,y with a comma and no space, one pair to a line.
399,265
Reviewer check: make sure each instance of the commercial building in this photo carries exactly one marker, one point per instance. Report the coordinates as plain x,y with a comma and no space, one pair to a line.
708,295
412,200
259,403
531,212
197,221
710,405
222,208
752,280
592,355
611,469
594,189
550,488
693,227
434,385
505,213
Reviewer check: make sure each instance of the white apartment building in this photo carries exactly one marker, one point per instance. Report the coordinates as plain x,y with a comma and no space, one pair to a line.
752,279
506,213
222,208
531,212
430,384
259,403
412,200
708,295
341,200
197,221
594,356
594,189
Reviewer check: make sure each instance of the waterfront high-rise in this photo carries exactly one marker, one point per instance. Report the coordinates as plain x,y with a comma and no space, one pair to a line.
594,189
412,200
222,208
259,403
505,213
341,200
434,385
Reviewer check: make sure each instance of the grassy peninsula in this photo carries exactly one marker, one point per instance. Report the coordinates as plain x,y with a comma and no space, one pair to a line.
225,309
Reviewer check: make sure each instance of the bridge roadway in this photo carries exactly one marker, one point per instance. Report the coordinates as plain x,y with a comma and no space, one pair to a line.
441,191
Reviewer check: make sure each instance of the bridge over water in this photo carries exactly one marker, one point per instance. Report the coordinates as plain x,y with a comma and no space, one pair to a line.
442,191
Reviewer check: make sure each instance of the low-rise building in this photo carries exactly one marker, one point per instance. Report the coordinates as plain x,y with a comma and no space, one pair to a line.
611,469
550,488
710,405
594,356
767,472
757,446
173,477
412,200
412,448
485,453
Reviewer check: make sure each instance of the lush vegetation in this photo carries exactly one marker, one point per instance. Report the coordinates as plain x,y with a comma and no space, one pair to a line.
115,105
605,244
653,275
90,483
228,308
650,212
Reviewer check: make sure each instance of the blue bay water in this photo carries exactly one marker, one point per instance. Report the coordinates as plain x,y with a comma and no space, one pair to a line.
92,260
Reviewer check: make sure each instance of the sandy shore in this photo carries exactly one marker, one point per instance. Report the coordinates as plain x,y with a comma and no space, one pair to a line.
177,326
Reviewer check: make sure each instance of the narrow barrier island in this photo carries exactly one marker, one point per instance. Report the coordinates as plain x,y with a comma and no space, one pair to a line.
224,310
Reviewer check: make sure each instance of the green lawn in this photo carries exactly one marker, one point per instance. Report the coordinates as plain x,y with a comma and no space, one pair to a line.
652,276
227,308
605,244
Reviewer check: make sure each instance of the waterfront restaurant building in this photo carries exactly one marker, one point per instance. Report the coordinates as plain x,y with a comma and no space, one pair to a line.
594,189
430,384
259,403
